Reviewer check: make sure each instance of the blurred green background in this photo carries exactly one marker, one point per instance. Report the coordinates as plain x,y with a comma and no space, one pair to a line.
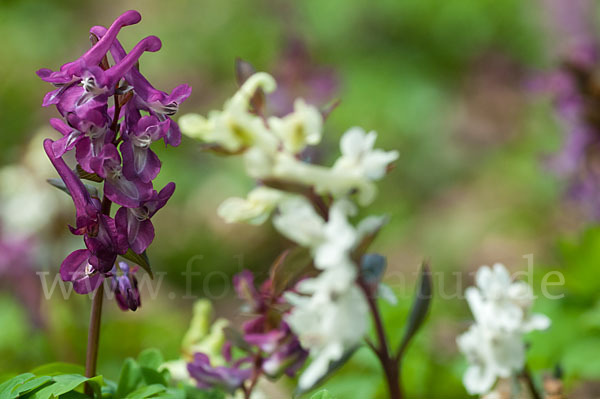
442,82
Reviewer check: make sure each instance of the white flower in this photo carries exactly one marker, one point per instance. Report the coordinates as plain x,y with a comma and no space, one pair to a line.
494,345
331,241
359,158
254,209
500,303
325,180
491,355
327,324
234,128
300,128
354,171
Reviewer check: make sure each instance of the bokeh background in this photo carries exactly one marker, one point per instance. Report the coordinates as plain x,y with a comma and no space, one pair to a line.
445,83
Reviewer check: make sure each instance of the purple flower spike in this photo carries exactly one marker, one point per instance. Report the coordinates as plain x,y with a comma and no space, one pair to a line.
125,287
72,71
227,378
135,224
102,121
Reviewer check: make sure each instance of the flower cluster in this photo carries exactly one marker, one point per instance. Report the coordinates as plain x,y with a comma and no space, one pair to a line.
574,87
204,335
269,346
494,345
110,116
312,206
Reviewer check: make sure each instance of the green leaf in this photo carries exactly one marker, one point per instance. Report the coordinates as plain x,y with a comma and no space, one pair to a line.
62,384
88,176
191,392
290,267
324,394
152,376
420,308
58,183
146,391
333,367
140,260
58,368
129,378
74,395
150,358
30,385
7,387
236,338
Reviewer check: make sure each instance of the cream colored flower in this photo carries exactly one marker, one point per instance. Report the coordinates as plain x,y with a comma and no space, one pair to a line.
503,304
325,180
254,209
204,336
328,323
360,158
234,128
300,128
331,242
494,345
491,355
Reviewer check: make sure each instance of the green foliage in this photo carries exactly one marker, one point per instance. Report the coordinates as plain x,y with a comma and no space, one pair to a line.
30,386
324,394
420,307
58,368
139,379
139,259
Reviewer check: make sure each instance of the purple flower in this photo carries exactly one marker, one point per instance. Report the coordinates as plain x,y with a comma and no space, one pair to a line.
99,231
119,189
288,358
227,378
576,102
77,269
243,283
135,224
139,161
125,287
72,71
147,98
297,75
18,272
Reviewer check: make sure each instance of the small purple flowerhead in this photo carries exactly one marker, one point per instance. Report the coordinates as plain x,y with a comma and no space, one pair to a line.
125,287
229,379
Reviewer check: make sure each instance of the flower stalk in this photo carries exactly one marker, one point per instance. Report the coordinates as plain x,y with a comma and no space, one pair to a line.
528,378
389,361
91,357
